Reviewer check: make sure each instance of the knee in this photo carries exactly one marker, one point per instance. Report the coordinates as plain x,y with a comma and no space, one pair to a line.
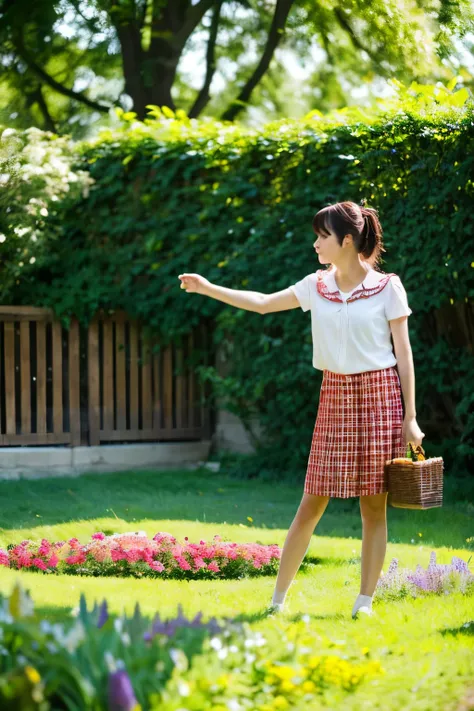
373,517
373,509
312,507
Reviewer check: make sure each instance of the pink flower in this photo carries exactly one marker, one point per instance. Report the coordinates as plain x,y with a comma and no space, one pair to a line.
183,564
39,563
161,536
75,559
214,567
53,561
147,555
200,563
4,558
24,559
44,548
156,565
133,556
98,536
74,543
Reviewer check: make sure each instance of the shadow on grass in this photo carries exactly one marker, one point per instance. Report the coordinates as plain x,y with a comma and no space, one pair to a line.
466,629
201,496
63,615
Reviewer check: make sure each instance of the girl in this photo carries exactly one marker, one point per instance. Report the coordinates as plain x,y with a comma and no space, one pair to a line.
355,310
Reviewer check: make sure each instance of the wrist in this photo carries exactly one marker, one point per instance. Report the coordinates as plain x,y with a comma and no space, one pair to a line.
207,289
410,416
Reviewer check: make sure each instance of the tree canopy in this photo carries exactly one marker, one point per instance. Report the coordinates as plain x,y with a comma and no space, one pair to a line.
65,64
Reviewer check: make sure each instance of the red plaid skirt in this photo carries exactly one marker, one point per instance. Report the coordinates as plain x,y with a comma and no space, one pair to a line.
358,427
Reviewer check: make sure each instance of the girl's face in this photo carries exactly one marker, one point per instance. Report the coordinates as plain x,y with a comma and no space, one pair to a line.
328,248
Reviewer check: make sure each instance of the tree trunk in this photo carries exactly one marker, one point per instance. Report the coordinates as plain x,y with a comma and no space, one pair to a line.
277,30
130,41
150,74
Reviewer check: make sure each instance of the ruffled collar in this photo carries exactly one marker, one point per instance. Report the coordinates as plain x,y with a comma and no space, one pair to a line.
372,284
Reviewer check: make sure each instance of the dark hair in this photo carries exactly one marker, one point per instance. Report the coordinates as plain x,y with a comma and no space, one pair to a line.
361,222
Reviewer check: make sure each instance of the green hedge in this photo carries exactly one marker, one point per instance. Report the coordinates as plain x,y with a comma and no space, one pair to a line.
172,195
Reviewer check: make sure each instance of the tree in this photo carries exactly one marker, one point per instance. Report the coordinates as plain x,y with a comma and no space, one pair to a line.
134,47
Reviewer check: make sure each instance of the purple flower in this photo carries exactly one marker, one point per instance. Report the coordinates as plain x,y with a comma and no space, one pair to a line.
103,614
459,564
435,579
120,692
169,627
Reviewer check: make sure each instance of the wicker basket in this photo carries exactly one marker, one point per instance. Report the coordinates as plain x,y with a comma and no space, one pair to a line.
415,483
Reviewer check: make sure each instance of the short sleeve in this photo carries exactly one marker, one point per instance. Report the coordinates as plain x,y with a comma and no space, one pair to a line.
301,291
396,303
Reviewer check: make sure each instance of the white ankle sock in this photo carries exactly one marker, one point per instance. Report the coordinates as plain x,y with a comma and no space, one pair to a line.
278,597
362,601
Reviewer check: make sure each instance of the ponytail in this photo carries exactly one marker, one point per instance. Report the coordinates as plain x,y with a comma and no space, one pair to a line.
371,244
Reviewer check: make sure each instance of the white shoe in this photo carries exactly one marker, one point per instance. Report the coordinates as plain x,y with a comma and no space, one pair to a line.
364,610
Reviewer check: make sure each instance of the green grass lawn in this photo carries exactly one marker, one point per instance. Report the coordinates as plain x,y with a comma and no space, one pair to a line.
425,650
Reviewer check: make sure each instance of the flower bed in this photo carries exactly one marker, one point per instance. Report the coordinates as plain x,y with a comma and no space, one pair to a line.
133,663
134,554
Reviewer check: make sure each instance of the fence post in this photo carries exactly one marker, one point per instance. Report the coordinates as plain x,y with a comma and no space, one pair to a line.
93,382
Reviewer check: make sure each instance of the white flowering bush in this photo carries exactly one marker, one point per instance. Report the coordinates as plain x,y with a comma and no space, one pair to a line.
36,172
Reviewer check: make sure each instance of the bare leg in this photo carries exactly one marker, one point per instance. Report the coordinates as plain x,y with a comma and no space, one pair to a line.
297,540
374,540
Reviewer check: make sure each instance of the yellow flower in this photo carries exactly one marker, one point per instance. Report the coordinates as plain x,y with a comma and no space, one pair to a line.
376,667
308,686
249,518
279,702
284,673
365,650
32,674
313,662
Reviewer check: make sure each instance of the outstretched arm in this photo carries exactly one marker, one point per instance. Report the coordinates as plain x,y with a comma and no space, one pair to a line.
248,300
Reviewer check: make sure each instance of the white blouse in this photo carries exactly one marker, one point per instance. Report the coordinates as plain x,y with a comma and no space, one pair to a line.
350,330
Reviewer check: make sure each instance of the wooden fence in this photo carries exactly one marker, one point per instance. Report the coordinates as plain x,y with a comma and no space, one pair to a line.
95,385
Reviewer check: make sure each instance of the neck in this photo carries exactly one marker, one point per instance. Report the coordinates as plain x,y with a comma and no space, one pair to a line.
350,269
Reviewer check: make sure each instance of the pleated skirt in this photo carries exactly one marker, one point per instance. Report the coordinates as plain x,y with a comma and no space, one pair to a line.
358,427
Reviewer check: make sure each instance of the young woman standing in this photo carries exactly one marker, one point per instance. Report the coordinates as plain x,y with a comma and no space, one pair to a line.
355,310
